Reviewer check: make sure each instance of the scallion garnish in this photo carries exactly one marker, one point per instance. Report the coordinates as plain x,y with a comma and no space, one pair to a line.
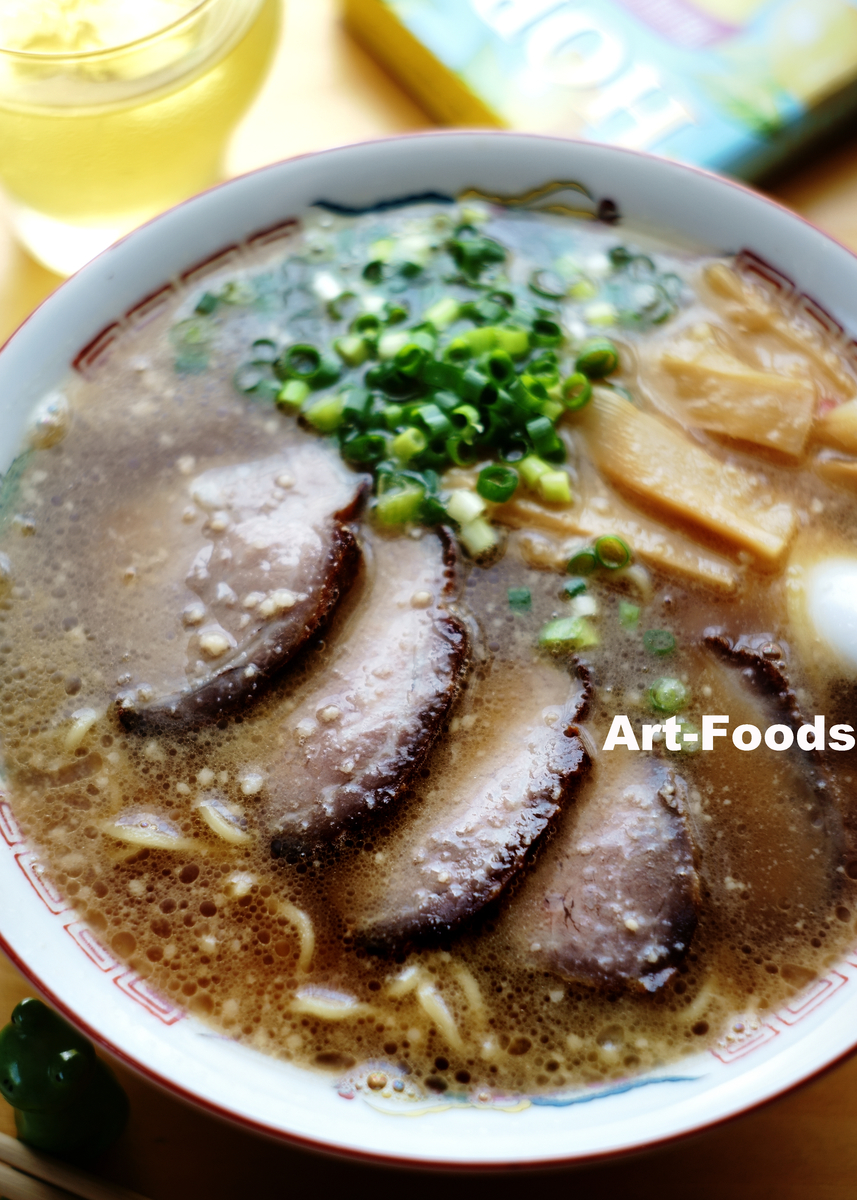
409,443
325,414
573,587
668,695
520,599
567,633
497,483
584,562
206,304
629,614
555,487
596,358
479,370
612,553
309,364
659,641
292,394
576,391
544,332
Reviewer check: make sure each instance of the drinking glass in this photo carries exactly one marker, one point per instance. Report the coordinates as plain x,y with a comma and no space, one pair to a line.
113,110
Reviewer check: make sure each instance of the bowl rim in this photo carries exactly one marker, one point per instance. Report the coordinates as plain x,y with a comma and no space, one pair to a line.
333,1148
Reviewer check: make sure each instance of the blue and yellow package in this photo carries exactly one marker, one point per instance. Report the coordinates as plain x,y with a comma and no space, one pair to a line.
733,85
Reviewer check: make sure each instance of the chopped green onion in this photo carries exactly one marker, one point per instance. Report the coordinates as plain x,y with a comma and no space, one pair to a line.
458,350
602,312
237,291
567,633
472,252
248,377
596,358
436,423
441,376
499,366
520,599
486,311
265,351
334,306
551,409
292,394
629,614
688,735
478,537
382,250
366,323
480,340
364,449
461,451
206,304
612,552
576,391
547,284
410,358
391,342
444,313
545,332
531,469
497,484
540,429
464,506
473,384
583,562
409,443
396,311
400,505
393,415
353,350
659,641
542,434
447,401
355,404
668,695
619,256
192,334
325,414
545,369
573,587
307,363
432,511
467,421
555,488
514,340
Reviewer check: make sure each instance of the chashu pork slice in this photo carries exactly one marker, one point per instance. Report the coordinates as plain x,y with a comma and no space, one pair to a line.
262,566
496,791
615,900
362,724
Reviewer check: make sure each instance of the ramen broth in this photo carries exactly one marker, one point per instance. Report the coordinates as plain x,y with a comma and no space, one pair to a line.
266,949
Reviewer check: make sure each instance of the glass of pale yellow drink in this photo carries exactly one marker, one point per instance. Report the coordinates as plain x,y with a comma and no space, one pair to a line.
113,110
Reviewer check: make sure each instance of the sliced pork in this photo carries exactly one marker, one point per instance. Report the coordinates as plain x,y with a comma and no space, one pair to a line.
784,833
271,557
358,731
615,901
505,775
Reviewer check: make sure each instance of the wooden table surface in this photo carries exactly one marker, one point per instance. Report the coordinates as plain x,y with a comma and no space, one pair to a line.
323,91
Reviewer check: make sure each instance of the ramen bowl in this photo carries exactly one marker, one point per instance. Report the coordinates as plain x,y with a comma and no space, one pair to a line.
65,960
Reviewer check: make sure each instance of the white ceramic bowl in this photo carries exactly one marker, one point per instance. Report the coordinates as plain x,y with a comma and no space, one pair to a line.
116,1008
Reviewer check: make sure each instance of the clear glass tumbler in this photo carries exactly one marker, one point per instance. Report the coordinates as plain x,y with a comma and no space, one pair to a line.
113,110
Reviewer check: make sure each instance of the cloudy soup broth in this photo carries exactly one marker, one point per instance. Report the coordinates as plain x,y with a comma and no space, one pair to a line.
323,595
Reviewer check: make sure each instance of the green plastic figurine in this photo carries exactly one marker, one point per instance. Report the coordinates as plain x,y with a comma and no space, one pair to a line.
67,1102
